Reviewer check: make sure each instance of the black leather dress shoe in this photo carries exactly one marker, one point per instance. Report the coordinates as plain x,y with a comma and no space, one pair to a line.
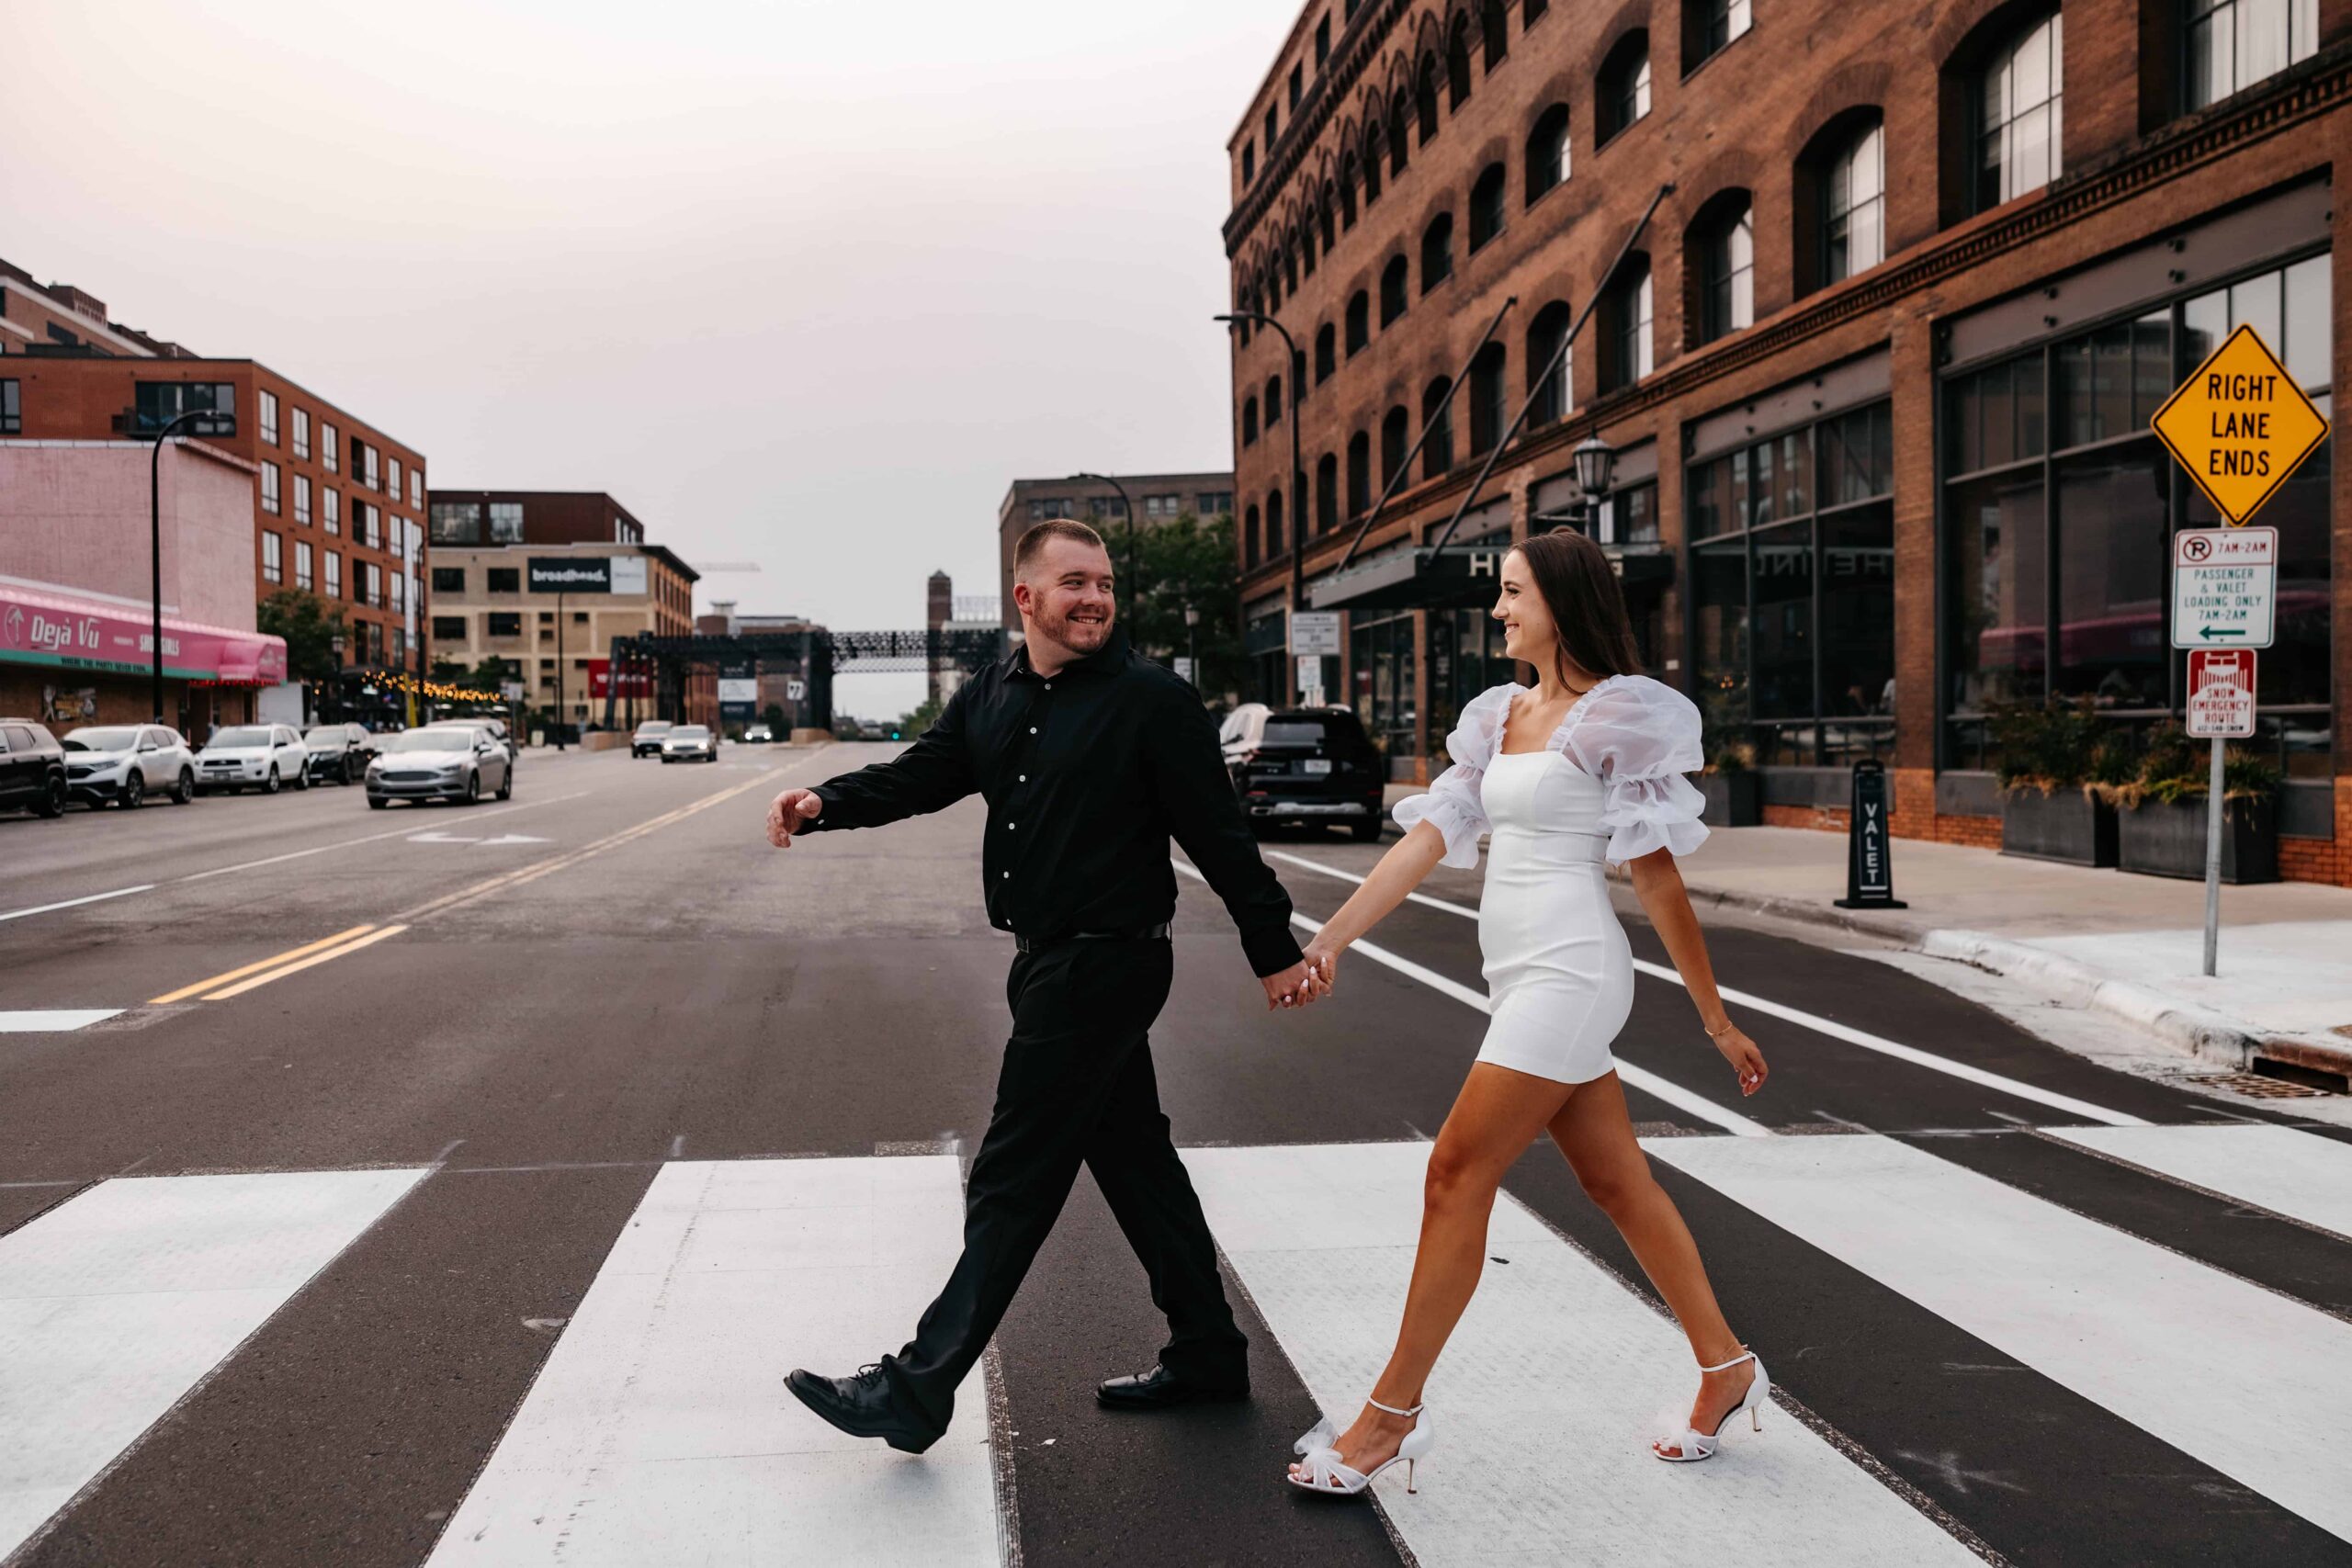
1160,1389
862,1406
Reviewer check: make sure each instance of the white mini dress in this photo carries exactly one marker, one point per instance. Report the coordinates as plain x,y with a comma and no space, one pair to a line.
1606,786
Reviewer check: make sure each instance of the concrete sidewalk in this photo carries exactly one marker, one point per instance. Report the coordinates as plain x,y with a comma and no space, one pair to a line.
2129,945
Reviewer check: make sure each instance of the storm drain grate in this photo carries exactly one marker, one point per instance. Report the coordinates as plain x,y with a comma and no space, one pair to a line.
2254,1085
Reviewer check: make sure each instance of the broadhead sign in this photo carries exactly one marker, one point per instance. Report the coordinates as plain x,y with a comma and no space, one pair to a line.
570,574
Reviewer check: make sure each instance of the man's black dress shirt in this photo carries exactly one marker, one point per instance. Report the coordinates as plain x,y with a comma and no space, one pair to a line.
1087,775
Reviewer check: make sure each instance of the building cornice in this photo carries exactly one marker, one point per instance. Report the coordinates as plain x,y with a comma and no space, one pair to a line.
1357,46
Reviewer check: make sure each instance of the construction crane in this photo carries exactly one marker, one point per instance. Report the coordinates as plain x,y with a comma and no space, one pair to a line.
707,568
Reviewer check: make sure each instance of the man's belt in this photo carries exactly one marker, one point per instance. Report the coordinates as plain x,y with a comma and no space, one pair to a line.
1132,933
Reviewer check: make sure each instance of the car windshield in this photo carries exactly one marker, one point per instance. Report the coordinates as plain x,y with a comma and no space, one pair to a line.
325,738
690,732
244,735
102,740
653,727
433,740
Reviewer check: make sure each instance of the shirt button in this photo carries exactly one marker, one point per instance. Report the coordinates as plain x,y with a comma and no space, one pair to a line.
1024,778
1008,827
1033,729
1006,875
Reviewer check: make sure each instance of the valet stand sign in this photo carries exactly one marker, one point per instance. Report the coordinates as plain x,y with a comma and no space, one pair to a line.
2238,426
1870,863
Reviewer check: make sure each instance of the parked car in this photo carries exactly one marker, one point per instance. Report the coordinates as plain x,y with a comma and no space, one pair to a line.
266,756
124,763
646,741
758,734
1303,765
690,743
340,751
440,762
32,768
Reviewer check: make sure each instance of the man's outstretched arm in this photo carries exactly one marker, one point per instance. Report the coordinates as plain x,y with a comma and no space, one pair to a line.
929,775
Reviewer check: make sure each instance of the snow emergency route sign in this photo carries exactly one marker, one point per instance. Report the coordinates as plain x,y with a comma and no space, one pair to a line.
2240,425
2220,691
2224,587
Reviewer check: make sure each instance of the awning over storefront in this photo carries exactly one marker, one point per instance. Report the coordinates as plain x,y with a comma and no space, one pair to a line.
64,632
1422,578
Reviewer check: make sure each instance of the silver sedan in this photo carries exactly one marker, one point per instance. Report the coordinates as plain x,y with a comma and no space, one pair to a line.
457,763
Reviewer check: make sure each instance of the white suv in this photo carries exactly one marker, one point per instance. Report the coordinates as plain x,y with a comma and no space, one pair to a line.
266,756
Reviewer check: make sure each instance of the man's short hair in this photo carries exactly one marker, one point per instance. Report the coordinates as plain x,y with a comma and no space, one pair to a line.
1052,528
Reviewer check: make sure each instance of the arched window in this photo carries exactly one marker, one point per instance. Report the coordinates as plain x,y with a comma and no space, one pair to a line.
1307,246
1371,163
1273,523
1273,399
1290,270
1391,289
1545,336
1724,263
1853,206
1625,325
1487,205
1396,439
1547,151
1250,537
2017,115
1298,377
1326,493
1359,474
1327,358
1708,25
1274,287
1437,251
1348,189
1493,32
1624,87
1488,414
1437,425
1249,420
1425,96
1323,221
2233,44
1457,65
1359,321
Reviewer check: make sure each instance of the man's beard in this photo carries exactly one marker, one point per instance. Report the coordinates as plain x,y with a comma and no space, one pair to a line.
1079,636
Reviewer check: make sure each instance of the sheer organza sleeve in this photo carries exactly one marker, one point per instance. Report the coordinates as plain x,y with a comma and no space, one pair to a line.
1451,804
1639,738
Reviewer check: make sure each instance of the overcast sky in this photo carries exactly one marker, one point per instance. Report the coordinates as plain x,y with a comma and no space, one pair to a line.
801,284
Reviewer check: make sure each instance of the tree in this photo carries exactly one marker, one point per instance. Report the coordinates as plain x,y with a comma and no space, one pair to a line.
1190,561
310,630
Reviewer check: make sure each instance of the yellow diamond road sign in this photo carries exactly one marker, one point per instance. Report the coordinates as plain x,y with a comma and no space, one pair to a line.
2239,425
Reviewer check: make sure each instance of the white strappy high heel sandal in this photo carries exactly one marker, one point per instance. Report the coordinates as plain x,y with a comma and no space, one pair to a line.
1321,1470
1694,1445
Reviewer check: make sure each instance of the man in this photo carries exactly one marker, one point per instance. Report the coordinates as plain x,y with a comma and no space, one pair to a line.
1091,759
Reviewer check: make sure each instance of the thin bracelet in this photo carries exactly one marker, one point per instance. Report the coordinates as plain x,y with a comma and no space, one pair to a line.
1719,1033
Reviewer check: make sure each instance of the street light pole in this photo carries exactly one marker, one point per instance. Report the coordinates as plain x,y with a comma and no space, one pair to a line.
156,541
1128,615
1193,643
1291,375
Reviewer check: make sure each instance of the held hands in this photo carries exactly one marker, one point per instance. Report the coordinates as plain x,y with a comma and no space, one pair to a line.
1740,1051
790,812
1294,987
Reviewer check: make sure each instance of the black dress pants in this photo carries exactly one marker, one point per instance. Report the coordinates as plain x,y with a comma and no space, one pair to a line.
1076,1088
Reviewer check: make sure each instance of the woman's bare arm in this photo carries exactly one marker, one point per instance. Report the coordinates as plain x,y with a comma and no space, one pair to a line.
1658,885
1400,871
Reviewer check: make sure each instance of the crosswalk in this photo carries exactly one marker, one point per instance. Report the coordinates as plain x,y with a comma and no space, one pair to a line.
657,1430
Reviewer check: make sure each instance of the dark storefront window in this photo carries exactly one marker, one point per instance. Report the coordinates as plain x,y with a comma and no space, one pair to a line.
2067,518
1387,680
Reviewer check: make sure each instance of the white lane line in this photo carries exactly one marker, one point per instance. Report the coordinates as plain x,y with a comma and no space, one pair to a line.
55,1020
2304,1177
2256,1385
1548,1392
1648,1082
2014,1088
376,837
119,1302
659,1430
76,903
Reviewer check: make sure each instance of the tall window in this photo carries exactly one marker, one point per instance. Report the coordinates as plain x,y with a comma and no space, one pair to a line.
1371,164
1626,311
302,433
12,409
1457,65
269,491
1488,399
1250,537
1494,33
1326,493
1249,422
1273,399
506,521
1727,273
1624,84
2018,130
1545,334
268,405
1359,321
1249,162
1436,422
1425,99
1547,151
273,558
1348,167
331,509
1273,523
302,564
1487,205
301,497
1359,474
1326,353
2235,43
1437,251
1397,137
330,447
1853,207
1708,25
1395,440
1391,289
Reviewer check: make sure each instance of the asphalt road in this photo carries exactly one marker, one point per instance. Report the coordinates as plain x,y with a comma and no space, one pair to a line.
535,1022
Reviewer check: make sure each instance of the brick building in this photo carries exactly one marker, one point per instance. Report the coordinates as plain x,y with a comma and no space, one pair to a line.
1157,498
1876,375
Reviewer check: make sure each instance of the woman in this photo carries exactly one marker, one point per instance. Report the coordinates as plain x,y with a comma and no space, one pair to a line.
1587,764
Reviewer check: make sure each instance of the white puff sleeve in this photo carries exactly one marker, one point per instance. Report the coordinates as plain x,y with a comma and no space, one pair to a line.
1452,805
1639,738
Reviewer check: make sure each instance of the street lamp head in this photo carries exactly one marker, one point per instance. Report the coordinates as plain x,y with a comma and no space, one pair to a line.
1595,460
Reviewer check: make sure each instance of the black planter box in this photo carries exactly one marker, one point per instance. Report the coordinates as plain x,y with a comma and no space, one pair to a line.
1734,800
2169,840
2068,826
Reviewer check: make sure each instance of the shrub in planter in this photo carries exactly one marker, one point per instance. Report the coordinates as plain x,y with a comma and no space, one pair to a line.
1734,790
2161,811
2052,754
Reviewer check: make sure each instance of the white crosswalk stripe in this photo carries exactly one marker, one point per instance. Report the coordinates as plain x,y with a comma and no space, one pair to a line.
2296,1174
117,1303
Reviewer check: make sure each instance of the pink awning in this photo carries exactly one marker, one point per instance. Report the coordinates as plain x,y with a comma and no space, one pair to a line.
44,627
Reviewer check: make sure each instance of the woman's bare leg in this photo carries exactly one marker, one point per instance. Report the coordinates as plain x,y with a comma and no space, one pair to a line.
1596,1133
1497,1114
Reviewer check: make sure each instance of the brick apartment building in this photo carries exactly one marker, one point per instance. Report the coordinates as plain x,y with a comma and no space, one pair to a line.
1157,498
1877,375
338,505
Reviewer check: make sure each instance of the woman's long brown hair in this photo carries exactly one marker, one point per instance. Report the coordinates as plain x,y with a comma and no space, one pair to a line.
1596,635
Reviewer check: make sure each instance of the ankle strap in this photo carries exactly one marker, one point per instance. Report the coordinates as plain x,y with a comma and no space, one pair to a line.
1416,1410
1736,1360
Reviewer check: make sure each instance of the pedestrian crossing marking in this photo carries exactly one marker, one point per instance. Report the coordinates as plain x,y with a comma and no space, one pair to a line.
1547,1395
659,1430
117,1303
2296,1174
2256,1385
55,1020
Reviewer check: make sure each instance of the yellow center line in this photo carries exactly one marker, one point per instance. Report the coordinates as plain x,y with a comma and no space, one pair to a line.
187,991
243,986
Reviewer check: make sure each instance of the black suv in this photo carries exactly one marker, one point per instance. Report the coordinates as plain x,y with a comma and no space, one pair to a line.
32,768
1305,765
339,751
